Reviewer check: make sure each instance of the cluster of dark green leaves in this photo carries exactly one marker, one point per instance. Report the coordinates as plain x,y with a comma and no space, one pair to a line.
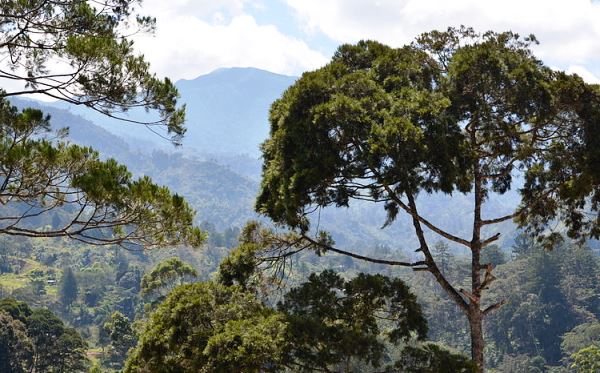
328,323
122,338
332,321
239,267
373,112
68,290
431,358
37,340
100,67
325,324
564,183
16,349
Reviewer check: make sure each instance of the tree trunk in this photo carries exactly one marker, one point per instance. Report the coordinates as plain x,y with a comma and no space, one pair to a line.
475,317
475,313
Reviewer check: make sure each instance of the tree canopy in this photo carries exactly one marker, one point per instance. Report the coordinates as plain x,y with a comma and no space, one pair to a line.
121,336
325,324
453,112
208,327
37,340
381,123
332,321
165,276
68,290
16,349
80,52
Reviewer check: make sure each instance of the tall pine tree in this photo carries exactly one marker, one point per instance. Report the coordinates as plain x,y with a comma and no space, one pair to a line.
68,288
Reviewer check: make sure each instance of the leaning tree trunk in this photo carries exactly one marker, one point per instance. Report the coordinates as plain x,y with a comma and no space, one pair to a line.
469,302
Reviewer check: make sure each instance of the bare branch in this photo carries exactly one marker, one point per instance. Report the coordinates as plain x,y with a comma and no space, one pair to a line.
494,307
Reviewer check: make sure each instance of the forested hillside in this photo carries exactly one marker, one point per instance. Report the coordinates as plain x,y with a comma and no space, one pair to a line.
430,207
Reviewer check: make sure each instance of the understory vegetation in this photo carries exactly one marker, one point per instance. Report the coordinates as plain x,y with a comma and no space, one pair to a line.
116,302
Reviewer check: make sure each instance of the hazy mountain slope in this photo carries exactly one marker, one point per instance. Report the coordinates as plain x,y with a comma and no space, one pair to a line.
218,194
227,112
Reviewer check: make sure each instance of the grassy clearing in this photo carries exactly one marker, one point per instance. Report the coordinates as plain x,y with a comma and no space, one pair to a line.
11,281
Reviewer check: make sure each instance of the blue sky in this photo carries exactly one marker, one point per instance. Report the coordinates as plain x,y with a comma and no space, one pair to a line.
195,37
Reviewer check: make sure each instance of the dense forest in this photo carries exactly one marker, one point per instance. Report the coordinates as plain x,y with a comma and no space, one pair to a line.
428,208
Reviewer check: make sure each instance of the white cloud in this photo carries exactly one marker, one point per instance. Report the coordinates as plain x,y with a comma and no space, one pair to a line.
584,73
569,31
195,8
196,37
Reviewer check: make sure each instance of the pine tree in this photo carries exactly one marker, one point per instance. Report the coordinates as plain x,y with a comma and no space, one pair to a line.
443,254
68,288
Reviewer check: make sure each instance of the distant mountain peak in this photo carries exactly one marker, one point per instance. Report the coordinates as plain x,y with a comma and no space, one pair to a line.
246,69
236,75
227,109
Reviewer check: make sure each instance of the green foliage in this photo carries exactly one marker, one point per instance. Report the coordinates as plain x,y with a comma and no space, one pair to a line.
372,109
16,349
207,327
111,207
122,338
431,358
17,310
522,364
548,294
38,281
239,266
581,336
100,70
57,347
68,288
165,276
587,360
96,368
455,111
396,117
248,345
531,318
332,321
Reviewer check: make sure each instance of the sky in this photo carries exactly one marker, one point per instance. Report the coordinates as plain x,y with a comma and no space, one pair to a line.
195,37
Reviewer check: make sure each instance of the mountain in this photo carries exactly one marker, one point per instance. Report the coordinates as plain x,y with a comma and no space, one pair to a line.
227,110
226,113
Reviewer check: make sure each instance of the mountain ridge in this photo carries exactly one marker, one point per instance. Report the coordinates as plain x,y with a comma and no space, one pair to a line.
226,112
